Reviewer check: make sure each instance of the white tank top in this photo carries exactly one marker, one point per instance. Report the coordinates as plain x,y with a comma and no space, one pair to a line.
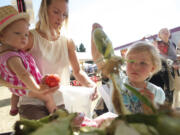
51,57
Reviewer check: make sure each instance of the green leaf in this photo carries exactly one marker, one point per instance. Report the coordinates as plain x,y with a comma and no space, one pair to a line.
141,97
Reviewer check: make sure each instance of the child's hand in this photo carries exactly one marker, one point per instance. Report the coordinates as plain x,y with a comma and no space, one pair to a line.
145,92
150,96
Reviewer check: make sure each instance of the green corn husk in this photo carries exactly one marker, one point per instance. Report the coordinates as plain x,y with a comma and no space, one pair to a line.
91,131
141,97
164,124
61,126
103,43
25,126
117,99
104,46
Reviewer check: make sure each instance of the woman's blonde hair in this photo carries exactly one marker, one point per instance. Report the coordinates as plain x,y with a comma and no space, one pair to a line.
43,23
145,46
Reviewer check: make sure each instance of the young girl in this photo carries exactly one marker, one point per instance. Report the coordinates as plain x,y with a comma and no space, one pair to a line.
144,61
16,66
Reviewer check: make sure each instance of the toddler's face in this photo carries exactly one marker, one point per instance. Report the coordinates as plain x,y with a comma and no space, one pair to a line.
16,34
139,66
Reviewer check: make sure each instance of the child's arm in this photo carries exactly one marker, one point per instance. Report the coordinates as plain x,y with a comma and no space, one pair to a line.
15,65
9,85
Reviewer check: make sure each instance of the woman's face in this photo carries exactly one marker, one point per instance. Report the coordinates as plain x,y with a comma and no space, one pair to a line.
139,66
164,35
57,13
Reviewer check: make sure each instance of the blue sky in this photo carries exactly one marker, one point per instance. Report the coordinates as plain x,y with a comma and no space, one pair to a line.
124,21
4,2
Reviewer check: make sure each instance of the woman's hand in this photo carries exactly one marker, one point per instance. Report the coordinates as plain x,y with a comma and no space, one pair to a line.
176,66
94,95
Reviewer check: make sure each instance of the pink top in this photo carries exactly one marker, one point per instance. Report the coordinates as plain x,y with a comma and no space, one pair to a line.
9,76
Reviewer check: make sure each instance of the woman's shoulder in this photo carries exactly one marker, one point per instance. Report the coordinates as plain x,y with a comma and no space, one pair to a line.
70,44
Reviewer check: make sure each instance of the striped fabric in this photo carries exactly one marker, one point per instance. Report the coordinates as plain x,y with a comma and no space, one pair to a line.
9,76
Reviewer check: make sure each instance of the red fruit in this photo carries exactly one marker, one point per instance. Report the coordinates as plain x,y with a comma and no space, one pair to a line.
52,80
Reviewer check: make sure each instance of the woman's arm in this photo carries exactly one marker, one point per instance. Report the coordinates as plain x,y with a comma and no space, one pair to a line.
80,75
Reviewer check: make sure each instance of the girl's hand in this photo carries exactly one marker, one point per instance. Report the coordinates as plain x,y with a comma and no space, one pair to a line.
145,92
150,96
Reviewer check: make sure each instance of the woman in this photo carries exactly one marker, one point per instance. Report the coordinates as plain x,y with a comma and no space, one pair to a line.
168,77
52,52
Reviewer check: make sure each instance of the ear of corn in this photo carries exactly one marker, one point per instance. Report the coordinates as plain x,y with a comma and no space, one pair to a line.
103,43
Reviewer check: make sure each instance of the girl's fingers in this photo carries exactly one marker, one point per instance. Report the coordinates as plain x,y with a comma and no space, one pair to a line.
43,79
147,93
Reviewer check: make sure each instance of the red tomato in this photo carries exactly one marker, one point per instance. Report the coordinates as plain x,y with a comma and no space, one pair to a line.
52,80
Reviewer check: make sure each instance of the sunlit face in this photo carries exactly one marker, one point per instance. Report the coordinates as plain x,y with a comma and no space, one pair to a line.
57,13
164,34
139,66
16,34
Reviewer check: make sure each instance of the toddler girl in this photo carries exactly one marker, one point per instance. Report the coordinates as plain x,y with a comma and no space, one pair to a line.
16,66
